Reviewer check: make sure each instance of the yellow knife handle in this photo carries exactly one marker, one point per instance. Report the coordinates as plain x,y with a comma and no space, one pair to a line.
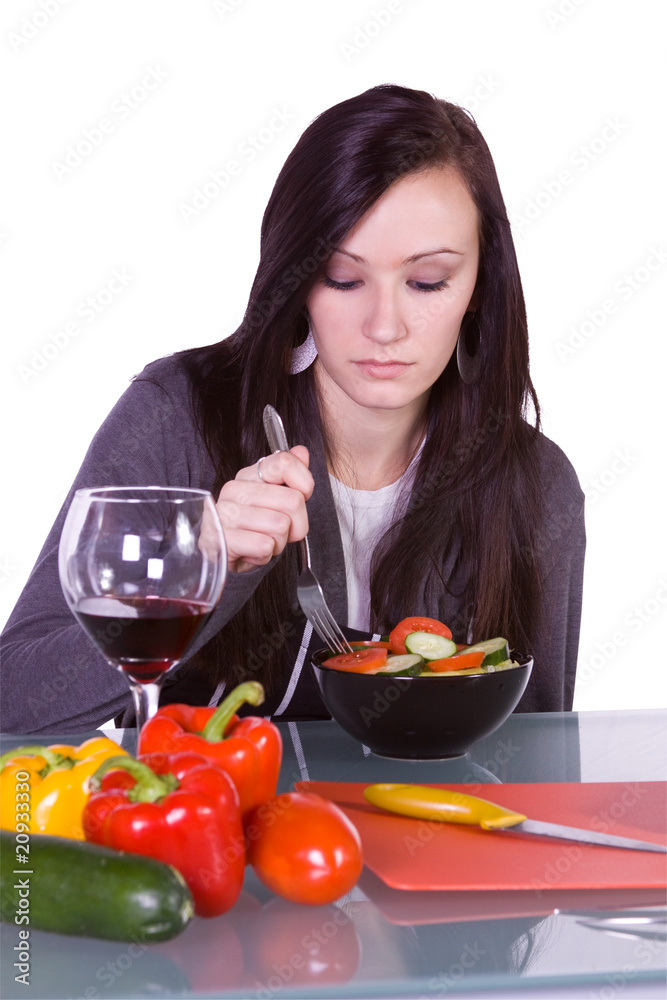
441,804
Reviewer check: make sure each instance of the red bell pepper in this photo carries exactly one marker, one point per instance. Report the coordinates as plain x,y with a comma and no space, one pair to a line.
249,749
181,809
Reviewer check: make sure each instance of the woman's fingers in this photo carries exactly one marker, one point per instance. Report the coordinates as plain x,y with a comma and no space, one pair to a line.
275,510
247,549
261,515
283,468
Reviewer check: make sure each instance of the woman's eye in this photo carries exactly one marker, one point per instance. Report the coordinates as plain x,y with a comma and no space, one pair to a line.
419,286
342,286
429,286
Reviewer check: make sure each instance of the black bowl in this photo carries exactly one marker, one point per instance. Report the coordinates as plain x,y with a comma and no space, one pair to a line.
421,718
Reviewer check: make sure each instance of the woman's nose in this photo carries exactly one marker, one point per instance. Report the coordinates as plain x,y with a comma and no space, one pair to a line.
384,322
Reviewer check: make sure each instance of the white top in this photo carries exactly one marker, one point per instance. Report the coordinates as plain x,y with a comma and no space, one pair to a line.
363,517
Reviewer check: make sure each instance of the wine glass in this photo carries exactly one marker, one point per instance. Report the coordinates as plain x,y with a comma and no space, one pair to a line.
142,569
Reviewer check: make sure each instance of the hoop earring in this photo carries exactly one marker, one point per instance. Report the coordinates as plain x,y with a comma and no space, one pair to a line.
303,355
468,350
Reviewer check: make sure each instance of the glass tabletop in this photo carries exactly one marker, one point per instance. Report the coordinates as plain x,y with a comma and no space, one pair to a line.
380,941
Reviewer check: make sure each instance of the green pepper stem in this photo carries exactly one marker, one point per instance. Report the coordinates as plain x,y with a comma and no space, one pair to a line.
54,761
149,787
251,692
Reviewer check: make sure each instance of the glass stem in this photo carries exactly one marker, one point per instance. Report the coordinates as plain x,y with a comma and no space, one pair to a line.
146,698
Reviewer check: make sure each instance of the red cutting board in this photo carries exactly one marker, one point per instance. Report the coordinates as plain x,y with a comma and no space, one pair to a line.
410,908
409,853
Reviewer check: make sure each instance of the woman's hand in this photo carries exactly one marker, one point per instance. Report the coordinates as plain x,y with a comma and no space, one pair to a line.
260,516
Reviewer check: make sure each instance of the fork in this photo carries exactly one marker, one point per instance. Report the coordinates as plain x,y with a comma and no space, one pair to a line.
308,588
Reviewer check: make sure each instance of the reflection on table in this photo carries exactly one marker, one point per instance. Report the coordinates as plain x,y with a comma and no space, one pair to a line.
384,942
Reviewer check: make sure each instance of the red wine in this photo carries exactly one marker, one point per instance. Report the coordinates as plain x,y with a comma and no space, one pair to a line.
143,636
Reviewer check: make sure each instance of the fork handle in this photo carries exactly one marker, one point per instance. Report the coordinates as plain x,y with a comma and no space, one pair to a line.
275,435
274,429
305,553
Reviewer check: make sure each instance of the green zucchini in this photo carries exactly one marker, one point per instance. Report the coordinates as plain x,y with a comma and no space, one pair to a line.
429,645
74,887
495,651
402,665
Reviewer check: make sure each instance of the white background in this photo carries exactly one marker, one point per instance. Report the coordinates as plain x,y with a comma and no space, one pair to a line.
570,97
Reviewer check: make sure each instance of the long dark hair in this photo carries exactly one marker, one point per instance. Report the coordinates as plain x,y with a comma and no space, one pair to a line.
475,506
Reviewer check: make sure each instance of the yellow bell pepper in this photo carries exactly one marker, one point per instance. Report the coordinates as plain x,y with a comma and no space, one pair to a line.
53,783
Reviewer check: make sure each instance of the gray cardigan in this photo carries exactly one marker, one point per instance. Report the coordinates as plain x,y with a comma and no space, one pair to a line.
54,679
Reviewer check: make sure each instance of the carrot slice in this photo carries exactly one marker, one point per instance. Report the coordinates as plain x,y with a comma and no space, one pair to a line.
459,661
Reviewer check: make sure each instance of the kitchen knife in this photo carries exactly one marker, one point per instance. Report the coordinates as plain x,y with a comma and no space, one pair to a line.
448,806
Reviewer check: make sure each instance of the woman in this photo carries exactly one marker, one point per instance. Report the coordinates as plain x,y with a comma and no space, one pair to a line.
386,323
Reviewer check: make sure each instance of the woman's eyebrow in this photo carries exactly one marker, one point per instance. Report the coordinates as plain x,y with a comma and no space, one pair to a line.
431,253
408,260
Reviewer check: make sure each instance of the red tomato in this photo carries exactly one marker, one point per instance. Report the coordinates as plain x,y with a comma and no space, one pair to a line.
408,625
457,662
361,661
304,848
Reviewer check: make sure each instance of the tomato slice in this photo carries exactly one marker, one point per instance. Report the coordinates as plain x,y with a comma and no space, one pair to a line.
359,661
459,661
404,628
374,643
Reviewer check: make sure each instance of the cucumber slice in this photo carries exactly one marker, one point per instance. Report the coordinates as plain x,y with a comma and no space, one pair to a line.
505,665
429,645
495,651
491,669
405,665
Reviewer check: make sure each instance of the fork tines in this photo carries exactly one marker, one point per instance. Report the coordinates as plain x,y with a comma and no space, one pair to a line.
333,637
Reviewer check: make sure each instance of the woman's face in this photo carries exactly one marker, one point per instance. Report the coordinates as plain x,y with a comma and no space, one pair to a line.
387,311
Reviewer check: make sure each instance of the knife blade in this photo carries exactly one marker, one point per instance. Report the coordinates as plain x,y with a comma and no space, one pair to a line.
448,806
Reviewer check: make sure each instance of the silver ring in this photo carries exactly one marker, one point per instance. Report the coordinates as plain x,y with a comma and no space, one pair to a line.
259,471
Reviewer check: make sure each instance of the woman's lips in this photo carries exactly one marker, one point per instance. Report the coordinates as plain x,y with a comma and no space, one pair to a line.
382,369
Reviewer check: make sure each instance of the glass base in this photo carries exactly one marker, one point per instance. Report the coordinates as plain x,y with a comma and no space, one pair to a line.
146,698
